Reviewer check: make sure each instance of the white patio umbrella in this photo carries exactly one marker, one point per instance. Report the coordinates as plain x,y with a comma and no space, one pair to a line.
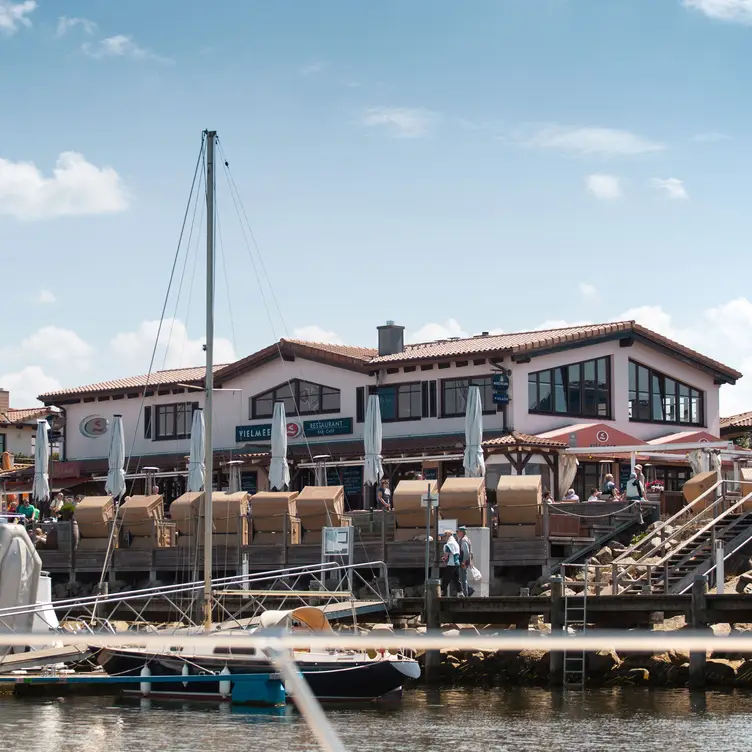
196,466
41,488
115,483
279,471
373,471
474,465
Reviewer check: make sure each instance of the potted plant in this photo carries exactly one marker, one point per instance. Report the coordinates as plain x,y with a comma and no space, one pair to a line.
68,522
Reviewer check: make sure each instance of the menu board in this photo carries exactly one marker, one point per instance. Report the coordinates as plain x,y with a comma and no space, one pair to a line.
349,477
249,481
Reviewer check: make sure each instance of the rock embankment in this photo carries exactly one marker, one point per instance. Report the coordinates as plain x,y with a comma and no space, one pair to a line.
606,668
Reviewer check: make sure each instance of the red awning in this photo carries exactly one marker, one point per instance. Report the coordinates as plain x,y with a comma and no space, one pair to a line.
586,435
685,437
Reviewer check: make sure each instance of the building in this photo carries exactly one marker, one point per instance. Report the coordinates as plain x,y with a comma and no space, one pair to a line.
737,428
612,384
18,426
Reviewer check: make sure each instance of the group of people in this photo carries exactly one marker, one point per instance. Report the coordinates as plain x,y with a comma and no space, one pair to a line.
456,563
24,510
609,491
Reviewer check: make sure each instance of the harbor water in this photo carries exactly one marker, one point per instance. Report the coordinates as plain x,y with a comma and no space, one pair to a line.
625,719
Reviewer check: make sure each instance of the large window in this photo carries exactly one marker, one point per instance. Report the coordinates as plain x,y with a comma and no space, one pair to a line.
579,389
174,421
454,395
299,397
401,401
656,398
2,442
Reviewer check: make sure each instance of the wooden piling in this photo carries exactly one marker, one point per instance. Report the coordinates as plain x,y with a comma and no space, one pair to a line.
433,622
556,658
698,621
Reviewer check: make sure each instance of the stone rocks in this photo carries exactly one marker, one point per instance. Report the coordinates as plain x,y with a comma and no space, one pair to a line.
628,677
605,555
744,585
744,674
601,663
720,673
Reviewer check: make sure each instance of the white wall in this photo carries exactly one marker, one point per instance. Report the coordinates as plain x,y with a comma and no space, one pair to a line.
620,356
19,440
232,408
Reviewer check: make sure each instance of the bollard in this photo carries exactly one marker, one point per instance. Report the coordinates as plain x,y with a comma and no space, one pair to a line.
556,658
433,622
698,621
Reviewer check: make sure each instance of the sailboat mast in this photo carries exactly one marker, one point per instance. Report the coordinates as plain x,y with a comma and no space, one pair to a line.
209,379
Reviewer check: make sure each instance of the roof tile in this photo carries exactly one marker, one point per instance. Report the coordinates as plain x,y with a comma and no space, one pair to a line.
515,438
742,420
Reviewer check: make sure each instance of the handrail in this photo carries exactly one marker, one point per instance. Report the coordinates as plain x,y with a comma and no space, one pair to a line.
660,527
660,564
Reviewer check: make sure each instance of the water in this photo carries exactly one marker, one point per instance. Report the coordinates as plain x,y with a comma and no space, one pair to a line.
628,720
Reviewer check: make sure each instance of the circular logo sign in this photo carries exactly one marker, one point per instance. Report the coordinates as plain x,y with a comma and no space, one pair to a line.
703,441
602,436
94,426
293,430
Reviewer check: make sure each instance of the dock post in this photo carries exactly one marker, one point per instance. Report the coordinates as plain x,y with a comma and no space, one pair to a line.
433,622
556,657
698,621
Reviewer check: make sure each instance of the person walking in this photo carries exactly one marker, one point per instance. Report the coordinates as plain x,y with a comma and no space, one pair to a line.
384,496
450,566
466,560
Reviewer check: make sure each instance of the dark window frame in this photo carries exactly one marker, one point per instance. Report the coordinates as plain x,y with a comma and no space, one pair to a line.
566,390
470,381
294,384
659,379
3,442
188,407
415,387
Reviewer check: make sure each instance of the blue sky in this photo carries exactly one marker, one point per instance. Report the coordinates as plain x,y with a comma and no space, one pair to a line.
498,164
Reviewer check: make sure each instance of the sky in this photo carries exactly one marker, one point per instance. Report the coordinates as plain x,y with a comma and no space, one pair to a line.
500,165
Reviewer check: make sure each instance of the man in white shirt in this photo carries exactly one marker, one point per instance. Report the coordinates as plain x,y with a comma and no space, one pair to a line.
450,566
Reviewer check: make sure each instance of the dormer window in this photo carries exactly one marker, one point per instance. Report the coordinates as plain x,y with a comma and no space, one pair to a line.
299,397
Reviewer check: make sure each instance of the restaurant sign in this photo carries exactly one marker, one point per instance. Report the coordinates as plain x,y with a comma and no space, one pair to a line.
309,429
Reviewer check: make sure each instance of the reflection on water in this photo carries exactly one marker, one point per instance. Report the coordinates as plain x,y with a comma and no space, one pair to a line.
632,720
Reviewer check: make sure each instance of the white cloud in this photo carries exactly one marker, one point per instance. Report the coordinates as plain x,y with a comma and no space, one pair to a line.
54,343
559,324
591,141
709,137
316,333
76,188
588,291
45,296
604,187
121,45
433,331
14,15
672,188
27,384
312,69
738,11
176,349
400,122
66,24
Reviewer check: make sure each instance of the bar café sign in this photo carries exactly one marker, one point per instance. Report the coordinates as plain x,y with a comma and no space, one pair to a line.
296,430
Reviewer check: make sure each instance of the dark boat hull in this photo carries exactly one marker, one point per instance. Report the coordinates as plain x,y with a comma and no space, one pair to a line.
352,681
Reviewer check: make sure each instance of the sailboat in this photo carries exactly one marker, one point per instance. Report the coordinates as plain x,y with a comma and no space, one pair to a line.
341,676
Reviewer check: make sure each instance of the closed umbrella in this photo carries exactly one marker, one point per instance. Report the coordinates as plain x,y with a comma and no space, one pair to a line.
115,483
373,471
196,466
41,488
473,462
279,472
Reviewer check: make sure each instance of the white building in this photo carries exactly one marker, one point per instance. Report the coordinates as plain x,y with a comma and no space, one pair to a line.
18,426
587,385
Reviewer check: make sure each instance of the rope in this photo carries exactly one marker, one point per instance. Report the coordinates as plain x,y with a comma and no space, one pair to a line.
596,516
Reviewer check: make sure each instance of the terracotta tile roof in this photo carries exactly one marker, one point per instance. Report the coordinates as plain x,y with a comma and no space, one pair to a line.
515,438
742,420
157,378
21,415
352,351
522,342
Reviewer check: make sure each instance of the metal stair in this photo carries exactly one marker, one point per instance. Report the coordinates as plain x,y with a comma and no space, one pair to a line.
575,615
689,551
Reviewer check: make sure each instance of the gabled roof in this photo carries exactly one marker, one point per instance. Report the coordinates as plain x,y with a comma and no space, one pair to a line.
515,438
22,415
365,359
742,420
170,377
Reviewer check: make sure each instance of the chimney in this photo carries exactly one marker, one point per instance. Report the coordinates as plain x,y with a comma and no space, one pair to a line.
4,401
391,338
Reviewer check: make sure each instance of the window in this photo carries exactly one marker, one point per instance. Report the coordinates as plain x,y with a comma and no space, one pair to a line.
2,442
299,398
581,389
454,395
174,421
401,401
656,398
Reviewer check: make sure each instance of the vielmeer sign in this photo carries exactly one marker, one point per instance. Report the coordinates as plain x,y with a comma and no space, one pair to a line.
309,428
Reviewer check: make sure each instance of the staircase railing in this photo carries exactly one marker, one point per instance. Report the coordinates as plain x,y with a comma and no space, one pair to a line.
644,579
659,531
